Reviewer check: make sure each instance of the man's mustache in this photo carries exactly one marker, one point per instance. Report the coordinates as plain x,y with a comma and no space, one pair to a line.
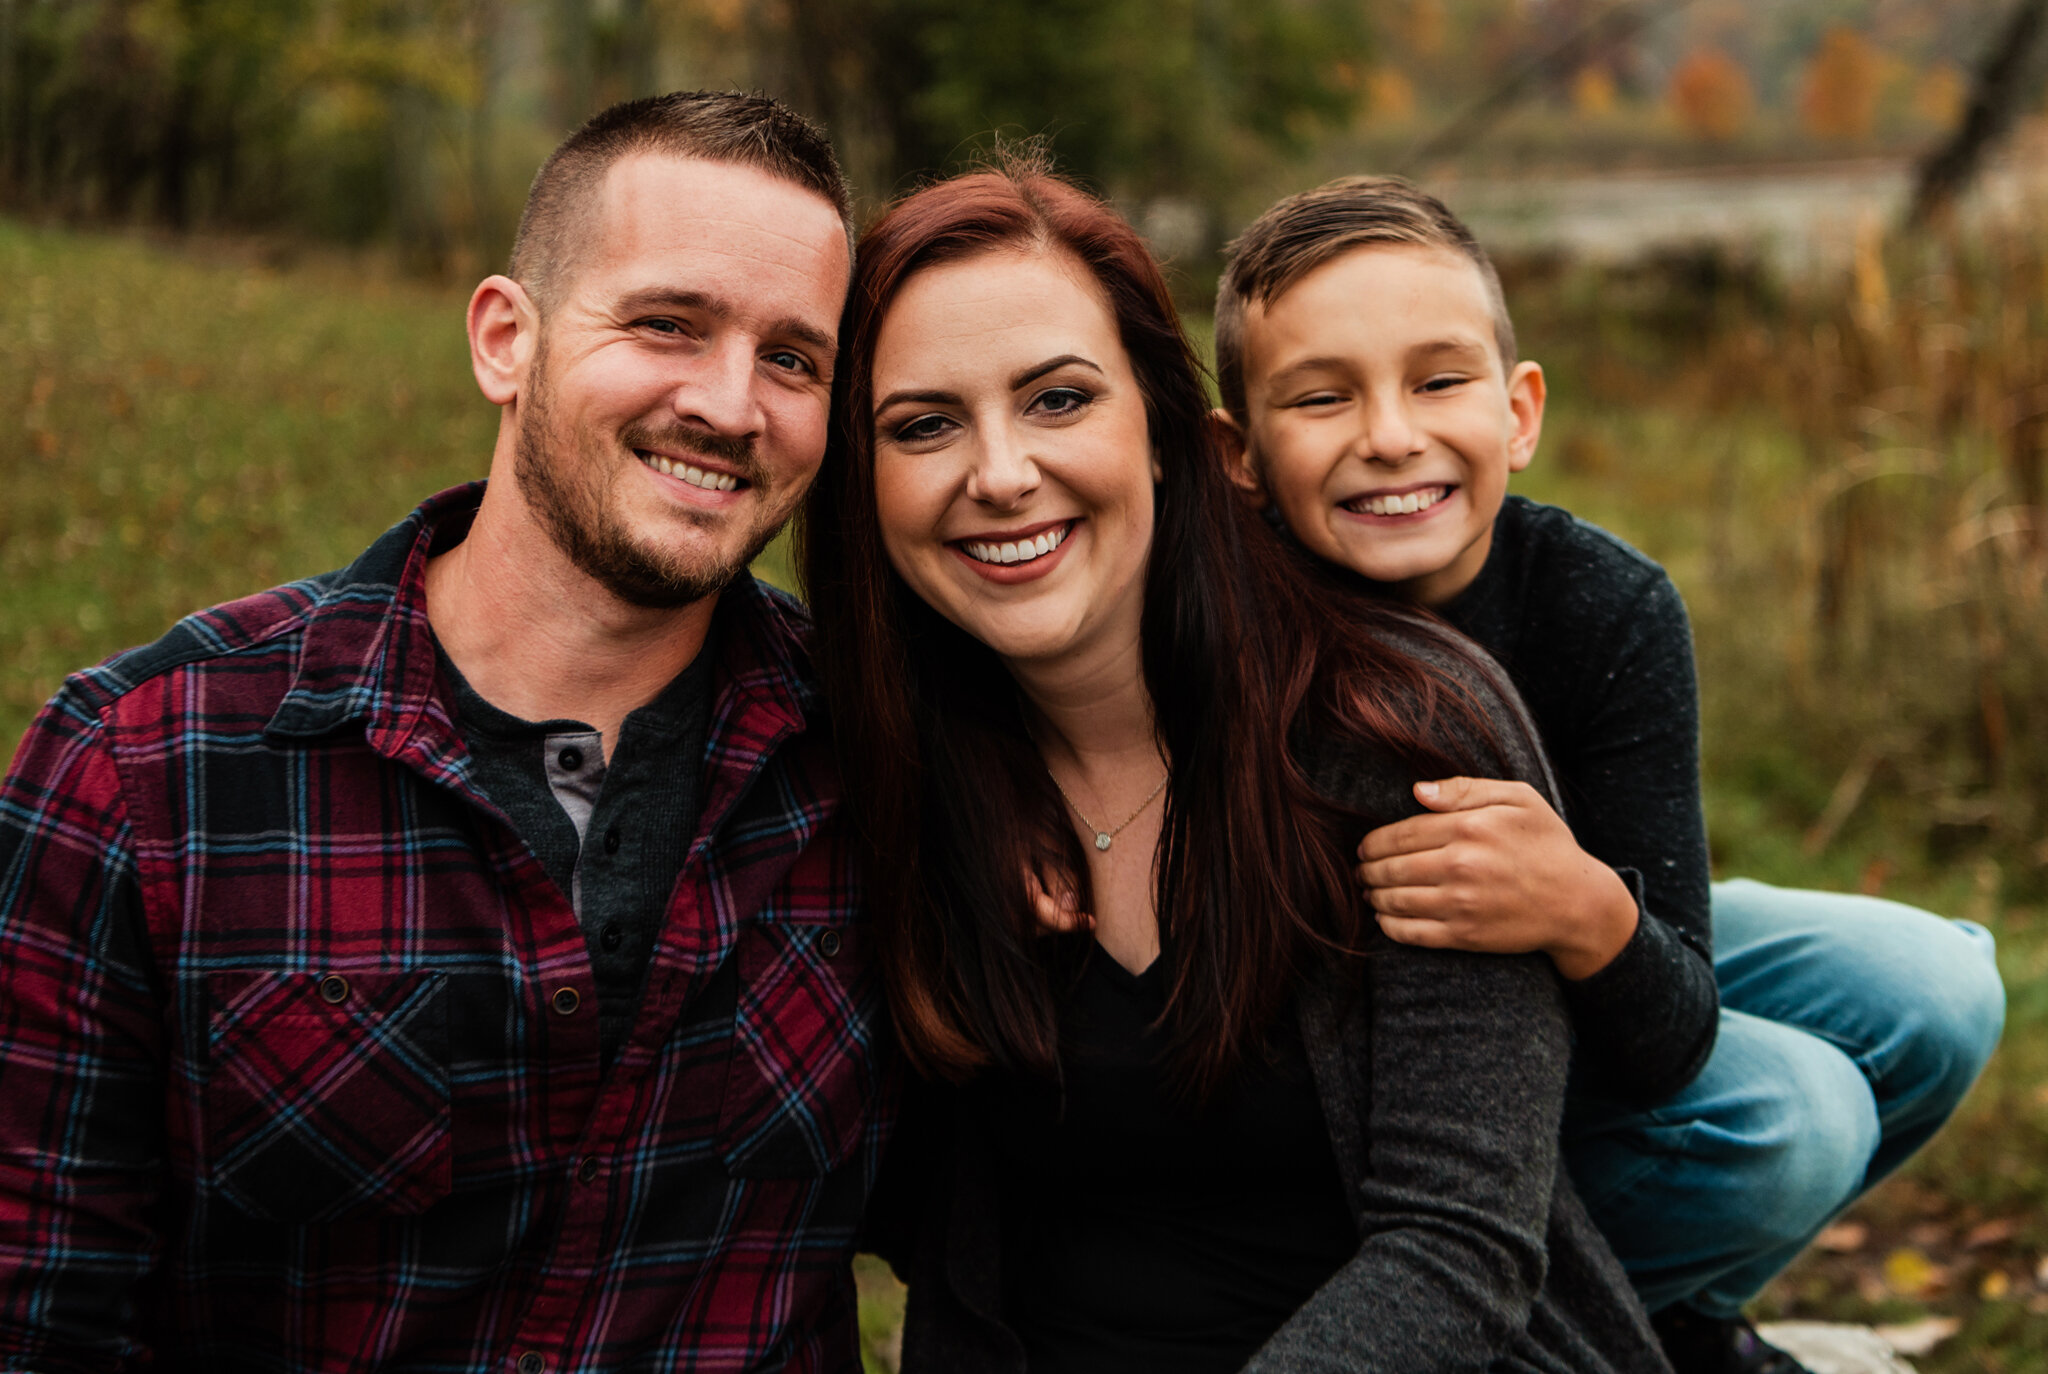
736,453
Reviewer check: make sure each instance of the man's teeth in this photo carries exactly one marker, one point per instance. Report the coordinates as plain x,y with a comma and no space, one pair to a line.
1403,505
695,476
1018,551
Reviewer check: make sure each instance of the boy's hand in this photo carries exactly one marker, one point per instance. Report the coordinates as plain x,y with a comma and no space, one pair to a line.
1495,870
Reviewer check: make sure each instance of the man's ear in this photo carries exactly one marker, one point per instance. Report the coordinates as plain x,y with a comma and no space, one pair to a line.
504,325
1525,403
1236,449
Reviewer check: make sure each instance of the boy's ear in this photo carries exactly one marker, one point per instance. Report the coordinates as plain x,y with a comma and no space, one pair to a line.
1525,402
1237,454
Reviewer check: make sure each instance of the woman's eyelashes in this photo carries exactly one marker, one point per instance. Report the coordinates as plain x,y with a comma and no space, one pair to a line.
1055,405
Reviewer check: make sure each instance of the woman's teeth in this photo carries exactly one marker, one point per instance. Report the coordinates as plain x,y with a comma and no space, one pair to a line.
1018,551
695,476
1400,505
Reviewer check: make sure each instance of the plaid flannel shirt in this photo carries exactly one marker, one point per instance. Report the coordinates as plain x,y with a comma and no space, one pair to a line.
299,1044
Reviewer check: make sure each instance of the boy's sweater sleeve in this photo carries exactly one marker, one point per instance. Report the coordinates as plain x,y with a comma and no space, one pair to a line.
1646,1022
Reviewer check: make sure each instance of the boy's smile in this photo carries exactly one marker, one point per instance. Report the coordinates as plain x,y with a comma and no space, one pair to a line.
1383,423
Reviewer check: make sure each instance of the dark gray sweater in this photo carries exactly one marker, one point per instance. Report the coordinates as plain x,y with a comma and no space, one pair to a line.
1442,1078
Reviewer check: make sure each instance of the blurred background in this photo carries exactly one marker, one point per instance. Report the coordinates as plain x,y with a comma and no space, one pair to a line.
1784,260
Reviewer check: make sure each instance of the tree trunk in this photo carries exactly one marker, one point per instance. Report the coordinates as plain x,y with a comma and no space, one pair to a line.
1996,96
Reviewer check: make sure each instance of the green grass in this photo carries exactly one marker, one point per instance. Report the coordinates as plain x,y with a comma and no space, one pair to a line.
179,430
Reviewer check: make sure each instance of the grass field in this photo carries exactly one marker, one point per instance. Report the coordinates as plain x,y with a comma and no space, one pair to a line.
177,428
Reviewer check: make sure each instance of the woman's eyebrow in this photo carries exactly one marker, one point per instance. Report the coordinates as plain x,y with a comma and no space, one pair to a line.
927,398
1032,374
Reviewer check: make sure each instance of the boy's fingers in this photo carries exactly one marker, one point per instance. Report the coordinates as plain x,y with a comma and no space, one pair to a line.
1468,794
1410,931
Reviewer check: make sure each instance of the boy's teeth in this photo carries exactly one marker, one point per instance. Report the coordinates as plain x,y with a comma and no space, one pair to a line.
1403,505
1016,551
695,476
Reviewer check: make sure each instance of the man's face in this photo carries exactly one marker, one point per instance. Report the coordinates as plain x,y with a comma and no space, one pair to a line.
674,412
1382,422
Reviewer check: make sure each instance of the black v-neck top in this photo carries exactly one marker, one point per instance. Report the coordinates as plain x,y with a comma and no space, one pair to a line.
1142,1232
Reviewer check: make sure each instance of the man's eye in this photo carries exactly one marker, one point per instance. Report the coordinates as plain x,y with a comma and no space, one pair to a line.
789,361
1061,400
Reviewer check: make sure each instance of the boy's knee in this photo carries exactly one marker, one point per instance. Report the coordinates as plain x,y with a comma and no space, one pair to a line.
1958,1016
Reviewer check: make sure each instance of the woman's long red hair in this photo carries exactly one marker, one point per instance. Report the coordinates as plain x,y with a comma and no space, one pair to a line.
1244,643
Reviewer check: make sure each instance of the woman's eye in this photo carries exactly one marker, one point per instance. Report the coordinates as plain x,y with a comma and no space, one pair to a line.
923,429
1061,400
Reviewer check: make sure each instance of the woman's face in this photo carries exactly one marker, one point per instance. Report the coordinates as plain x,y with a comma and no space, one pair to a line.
1013,463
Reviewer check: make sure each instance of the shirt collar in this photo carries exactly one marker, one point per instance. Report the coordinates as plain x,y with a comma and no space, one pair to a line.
368,651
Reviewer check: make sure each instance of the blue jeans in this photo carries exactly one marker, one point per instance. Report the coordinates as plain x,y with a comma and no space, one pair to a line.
1850,1029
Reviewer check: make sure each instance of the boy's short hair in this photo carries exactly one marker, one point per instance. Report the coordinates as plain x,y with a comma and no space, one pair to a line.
735,127
1302,232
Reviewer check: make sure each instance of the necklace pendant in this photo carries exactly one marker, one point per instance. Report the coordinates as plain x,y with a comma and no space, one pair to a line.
1102,840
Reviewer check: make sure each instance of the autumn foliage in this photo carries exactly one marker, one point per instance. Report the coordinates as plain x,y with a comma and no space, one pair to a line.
1711,94
1838,99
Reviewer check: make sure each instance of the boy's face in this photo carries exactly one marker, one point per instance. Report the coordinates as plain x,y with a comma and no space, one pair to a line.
1382,422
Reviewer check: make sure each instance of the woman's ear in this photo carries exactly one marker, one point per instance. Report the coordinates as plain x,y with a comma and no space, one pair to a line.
503,327
1238,459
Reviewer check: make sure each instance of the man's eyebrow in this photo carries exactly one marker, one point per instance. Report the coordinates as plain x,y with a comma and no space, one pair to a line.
1032,374
668,298
802,332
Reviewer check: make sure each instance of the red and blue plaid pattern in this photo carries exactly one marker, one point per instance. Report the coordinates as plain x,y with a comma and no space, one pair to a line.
299,1047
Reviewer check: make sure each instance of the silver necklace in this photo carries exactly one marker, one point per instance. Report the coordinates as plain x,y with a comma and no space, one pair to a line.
1103,837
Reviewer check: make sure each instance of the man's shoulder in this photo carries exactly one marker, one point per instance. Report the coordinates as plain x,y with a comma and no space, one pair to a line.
230,634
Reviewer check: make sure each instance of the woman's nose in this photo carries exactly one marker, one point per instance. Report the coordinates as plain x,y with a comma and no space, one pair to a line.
1004,472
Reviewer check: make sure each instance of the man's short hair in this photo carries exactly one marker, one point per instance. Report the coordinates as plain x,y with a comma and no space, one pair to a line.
719,126
1304,231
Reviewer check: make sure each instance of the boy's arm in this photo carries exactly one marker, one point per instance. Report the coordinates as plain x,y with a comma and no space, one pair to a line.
1503,874
81,1132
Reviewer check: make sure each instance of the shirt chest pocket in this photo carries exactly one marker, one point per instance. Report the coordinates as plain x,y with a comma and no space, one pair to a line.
801,1082
326,1094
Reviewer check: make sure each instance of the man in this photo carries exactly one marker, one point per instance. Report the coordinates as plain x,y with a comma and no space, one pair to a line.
451,961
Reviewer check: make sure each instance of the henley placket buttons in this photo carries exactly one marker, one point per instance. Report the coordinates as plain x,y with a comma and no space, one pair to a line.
586,1172
611,840
828,943
571,759
532,1362
566,1001
334,989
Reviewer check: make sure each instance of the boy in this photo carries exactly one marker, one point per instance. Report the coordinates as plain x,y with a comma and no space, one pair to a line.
1750,1059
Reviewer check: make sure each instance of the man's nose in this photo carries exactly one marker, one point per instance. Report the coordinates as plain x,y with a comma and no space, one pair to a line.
719,391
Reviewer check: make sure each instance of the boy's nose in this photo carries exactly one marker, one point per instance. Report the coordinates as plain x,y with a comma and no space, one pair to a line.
1390,436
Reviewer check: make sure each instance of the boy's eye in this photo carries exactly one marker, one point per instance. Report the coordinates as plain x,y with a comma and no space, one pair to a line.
1443,383
1318,398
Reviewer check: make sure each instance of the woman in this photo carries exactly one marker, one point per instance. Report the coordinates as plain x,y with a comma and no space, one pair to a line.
1228,1124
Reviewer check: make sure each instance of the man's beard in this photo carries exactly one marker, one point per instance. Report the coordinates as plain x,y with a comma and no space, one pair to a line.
583,523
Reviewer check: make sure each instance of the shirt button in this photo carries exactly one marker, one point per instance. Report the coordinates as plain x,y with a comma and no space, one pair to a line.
586,1172
565,1001
532,1362
828,943
571,759
611,937
334,988
611,840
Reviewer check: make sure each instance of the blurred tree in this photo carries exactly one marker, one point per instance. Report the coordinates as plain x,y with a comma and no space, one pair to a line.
2002,85
1838,98
1710,93
1938,95
1593,91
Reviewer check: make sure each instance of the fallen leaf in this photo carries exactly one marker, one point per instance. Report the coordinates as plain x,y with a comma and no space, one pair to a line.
1994,1285
1917,1338
1843,1238
1911,1274
1997,1231
1929,1235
